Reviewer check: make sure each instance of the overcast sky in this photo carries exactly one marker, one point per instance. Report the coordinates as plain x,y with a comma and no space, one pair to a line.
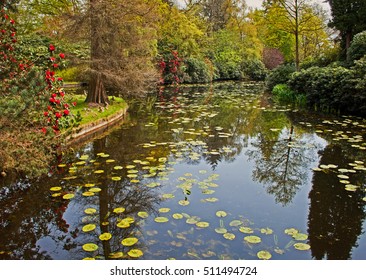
258,3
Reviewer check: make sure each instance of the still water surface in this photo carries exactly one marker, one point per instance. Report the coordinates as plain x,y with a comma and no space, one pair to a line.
214,173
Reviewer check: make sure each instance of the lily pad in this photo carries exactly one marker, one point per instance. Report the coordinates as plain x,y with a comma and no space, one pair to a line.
264,255
68,196
143,214
90,247
116,255
105,236
123,224
300,236
116,178
291,231
221,230
94,190
229,236
55,189
130,241
161,219
164,210
177,216
168,195
100,171
183,202
301,246
118,167
119,210
88,193
266,231
235,223
135,253
246,230
253,239
203,224
89,227
212,199
221,214
90,211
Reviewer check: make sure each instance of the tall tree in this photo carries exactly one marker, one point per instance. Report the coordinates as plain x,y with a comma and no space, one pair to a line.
349,17
295,17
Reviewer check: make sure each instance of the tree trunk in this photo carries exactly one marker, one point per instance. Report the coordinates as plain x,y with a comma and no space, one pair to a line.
348,43
97,93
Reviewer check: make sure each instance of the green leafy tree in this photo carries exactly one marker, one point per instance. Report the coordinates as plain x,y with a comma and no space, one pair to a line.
349,17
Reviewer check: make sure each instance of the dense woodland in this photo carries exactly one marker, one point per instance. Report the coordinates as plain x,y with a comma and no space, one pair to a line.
304,54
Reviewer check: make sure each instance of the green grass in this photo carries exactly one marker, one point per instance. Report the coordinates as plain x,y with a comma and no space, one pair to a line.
92,114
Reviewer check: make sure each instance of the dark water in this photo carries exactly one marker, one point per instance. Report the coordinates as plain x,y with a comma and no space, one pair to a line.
283,179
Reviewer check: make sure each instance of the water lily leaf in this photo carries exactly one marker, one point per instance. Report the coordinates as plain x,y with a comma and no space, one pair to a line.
253,239
100,171
229,236
62,165
116,178
55,189
89,227
68,196
235,223
183,202
246,230
84,157
143,214
168,195
119,210
193,220
94,190
202,171
203,224
80,163
118,167
132,175
266,231
164,210
208,191
300,236
130,166
177,216
161,219
341,176
291,231
212,199
264,255
123,224
110,160
221,230
90,211
89,185
135,253
88,193
130,241
116,255
88,259
105,236
56,194
90,247
221,214
301,246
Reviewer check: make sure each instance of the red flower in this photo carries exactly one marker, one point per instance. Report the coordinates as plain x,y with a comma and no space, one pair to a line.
45,114
58,115
52,58
62,55
55,65
66,112
74,103
12,21
44,130
59,79
57,101
51,48
54,95
52,100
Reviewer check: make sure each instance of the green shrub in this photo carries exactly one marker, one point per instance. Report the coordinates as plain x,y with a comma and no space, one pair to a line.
279,75
329,89
197,71
282,93
254,69
358,46
323,60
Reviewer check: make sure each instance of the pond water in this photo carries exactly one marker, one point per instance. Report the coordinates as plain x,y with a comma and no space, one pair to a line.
214,173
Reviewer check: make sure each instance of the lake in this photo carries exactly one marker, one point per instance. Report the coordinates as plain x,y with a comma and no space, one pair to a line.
214,172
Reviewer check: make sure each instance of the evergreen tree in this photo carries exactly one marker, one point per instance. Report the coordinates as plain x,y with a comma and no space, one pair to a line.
349,17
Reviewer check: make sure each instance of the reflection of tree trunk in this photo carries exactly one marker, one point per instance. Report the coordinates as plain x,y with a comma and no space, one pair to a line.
288,155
